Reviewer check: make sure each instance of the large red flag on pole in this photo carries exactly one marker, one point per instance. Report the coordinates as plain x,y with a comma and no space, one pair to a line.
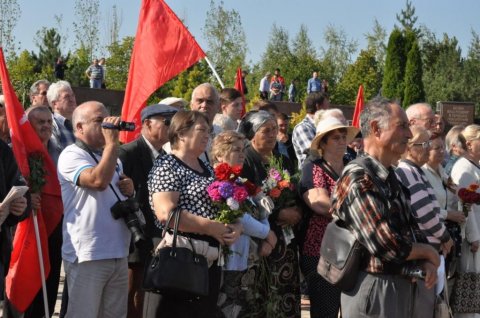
23,280
239,87
163,48
358,107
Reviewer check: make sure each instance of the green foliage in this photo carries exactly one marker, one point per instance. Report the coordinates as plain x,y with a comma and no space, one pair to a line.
377,43
36,180
118,63
186,81
76,67
414,91
443,78
49,51
393,74
9,14
408,19
22,74
472,71
85,25
227,45
337,55
364,71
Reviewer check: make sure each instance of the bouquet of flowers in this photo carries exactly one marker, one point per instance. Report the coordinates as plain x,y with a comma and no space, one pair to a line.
37,172
469,196
280,186
231,194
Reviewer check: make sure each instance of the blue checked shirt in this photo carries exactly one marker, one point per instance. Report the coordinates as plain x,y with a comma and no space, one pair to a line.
302,137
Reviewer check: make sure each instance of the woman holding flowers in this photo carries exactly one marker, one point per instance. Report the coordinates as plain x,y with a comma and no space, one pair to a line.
180,179
465,173
239,268
319,176
277,280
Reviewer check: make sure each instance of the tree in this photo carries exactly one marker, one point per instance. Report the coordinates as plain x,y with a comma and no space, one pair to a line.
408,19
304,61
49,51
376,43
118,63
363,71
77,64
227,45
185,82
85,25
22,74
9,15
337,54
443,79
472,71
414,91
393,74
113,23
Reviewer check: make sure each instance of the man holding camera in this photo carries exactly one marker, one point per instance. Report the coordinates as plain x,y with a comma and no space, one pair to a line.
95,244
137,159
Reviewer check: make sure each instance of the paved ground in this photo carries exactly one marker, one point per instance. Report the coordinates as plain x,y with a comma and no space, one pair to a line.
305,302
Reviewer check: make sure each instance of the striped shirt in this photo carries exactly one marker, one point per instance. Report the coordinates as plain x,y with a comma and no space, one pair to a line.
377,213
425,206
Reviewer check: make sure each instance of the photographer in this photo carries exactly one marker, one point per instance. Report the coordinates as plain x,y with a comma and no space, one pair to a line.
95,243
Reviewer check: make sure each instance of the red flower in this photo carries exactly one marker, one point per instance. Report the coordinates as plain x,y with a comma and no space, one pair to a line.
283,184
237,170
223,172
252,188
275,193
468,196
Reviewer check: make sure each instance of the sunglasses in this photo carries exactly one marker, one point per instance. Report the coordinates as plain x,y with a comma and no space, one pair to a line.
425,145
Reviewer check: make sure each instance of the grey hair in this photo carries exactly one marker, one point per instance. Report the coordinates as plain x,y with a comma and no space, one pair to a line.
331,112
54,90
260,118
34,87
413,111
252,121
379,109
209,86
453,138
38,109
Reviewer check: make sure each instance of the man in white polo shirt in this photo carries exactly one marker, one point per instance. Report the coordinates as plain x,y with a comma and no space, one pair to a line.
95,245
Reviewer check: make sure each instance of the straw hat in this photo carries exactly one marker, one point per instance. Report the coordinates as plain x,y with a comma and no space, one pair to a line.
329,124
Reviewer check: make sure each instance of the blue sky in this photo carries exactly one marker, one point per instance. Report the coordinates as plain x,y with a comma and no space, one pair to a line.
456,18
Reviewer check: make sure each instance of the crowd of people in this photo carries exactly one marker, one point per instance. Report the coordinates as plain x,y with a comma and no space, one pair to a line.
393,183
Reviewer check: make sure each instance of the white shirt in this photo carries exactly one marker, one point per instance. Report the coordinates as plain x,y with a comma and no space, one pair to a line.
89,230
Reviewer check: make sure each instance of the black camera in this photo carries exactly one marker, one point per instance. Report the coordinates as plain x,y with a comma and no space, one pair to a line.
123,125
413,272
127,210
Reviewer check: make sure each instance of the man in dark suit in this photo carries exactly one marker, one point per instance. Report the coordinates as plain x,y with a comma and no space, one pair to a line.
137,158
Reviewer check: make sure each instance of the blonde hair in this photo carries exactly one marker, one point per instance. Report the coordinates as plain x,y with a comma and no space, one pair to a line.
471,132
223,143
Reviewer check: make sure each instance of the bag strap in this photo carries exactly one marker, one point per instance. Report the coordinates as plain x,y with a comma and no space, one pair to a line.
176,213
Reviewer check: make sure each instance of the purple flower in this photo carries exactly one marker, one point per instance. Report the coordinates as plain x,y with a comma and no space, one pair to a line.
226,190
275,174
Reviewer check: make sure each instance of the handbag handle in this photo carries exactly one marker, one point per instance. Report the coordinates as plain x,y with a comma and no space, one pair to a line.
176,212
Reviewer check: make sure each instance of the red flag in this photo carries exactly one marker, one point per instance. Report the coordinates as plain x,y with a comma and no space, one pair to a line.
239,87
358,108
163,48
23,280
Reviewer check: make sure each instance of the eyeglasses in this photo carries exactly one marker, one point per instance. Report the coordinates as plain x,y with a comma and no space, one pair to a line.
425,145
44,93
166,121
429,121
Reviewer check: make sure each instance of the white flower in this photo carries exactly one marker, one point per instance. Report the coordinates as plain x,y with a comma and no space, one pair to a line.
233,204
271,183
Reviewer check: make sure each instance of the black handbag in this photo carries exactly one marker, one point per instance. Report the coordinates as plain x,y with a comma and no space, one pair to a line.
176,271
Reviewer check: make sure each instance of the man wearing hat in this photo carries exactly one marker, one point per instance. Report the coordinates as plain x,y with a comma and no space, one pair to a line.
137,158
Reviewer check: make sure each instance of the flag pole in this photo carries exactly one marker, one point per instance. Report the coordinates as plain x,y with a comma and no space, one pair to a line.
40,259
214,72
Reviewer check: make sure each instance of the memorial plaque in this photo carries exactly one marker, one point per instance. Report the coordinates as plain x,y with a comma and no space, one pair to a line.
457,113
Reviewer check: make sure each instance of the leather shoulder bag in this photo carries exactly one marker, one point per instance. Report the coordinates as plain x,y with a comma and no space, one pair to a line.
176,271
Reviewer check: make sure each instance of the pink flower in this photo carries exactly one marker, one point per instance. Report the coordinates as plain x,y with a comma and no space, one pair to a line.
275,174
240,193
213,192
